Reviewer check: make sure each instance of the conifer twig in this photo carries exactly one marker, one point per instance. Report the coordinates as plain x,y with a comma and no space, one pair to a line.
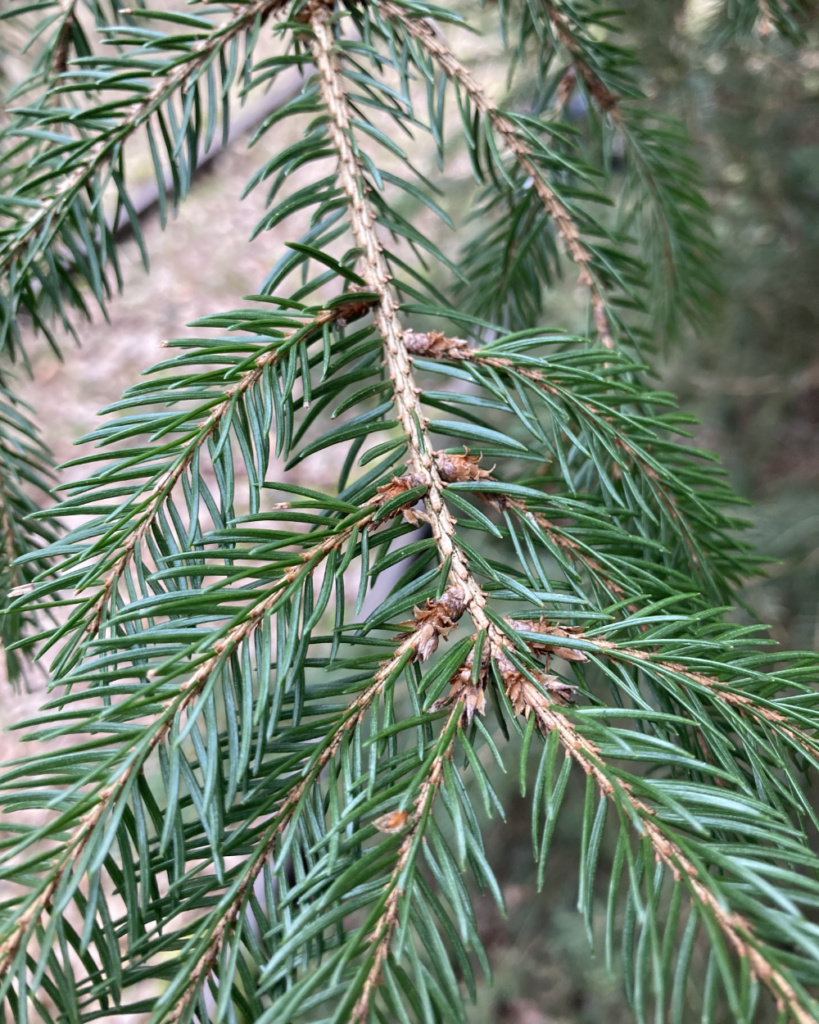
164,485
737,930
188,691
743,702
390,917
208,629
606,99
376,273
353,716
438,346
42,225
434,45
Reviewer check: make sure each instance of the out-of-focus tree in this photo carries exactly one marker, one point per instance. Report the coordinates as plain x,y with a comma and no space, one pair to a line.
752,372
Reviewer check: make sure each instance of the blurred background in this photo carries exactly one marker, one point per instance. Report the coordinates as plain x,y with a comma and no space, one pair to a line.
751,375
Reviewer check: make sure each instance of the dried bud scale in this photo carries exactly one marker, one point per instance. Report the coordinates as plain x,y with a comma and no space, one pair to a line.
435,621
435,345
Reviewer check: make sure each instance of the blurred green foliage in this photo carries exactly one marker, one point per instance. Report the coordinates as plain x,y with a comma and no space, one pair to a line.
753,375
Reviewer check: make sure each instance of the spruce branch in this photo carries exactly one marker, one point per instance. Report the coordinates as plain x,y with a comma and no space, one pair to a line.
389,919
83,163
737,930
218,639
466,468
431,40
670,491
159,492
747,703
733,692
100,802
740,19
25,470
224,916
662,193
377,275
45,221
607,100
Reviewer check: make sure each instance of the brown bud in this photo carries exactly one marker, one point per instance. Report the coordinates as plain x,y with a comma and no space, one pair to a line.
436,345
397,486
460,468
526,697
464,689
473,698
546,647
435,620
354,309
391,823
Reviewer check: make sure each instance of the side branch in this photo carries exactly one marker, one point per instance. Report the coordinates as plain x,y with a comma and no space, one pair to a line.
165,484
390,917
605,98
738,931
228,912
37,231
743,703
104,798
434,45
435,345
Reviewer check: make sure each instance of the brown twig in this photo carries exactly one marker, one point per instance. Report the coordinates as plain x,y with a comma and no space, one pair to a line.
606,99
45,221
73,849
376,273
388,921
188,691
59,61
765,24
353,716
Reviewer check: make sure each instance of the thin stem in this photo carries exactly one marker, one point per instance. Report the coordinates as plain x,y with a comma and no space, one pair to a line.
45,221
164,485
227,915
390,917
188,691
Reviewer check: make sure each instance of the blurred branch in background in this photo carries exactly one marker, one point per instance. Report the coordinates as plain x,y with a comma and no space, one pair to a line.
752,376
